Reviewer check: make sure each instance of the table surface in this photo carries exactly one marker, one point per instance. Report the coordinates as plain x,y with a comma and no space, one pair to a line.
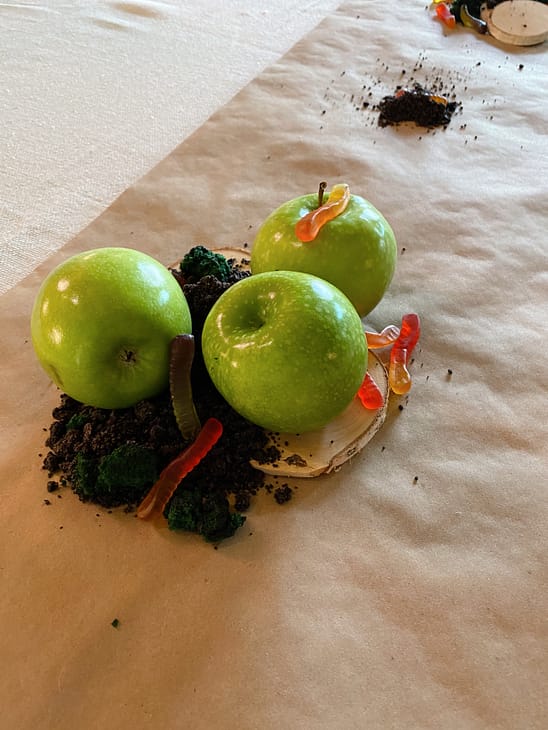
407,590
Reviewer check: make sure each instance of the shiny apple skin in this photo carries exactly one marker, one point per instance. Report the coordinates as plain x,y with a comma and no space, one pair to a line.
102,323
356,251
286,350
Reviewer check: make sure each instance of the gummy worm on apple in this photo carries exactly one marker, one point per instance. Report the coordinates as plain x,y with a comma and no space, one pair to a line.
309,226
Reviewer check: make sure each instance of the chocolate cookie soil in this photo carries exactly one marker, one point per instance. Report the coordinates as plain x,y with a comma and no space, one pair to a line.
415,105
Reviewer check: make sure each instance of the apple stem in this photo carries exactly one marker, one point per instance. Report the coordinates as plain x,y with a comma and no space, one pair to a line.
321,191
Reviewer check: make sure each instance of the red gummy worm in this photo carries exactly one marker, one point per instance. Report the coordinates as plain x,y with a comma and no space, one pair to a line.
398,374
154,502
370,394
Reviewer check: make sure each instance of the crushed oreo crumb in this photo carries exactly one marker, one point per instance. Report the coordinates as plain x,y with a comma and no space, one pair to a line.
295,460
416,105
283,494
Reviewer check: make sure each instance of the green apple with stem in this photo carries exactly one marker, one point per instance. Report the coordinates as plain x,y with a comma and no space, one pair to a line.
102,323
355,250
286,350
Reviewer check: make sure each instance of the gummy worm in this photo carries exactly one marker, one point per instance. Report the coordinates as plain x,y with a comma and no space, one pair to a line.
382,339
370,394
398,374
180,364
155,501
309,226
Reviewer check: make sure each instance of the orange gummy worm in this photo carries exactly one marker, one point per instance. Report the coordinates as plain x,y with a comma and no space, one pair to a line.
309,226
376,340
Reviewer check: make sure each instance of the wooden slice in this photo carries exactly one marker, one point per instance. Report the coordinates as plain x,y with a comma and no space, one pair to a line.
320,452
518,22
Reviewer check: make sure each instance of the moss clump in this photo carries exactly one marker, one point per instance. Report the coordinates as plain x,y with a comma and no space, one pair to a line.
85,477
121,477
208,515
200,262
77,421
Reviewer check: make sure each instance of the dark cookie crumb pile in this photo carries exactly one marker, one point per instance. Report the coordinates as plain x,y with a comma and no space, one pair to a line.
415,105
283,494
113,457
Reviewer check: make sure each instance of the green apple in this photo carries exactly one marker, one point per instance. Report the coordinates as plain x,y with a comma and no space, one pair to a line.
356,251
102,323
286,350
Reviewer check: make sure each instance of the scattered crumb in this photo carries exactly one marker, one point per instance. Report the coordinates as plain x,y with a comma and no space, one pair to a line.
283,494
296,460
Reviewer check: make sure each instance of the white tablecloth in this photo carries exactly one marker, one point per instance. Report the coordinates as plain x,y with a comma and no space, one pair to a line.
95,92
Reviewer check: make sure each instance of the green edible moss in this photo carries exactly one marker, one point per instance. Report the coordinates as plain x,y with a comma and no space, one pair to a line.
125,474
131,465
209,515
77,421
85,477
200,261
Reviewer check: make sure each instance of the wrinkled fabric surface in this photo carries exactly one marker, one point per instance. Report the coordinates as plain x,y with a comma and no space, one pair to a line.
95,93
407,590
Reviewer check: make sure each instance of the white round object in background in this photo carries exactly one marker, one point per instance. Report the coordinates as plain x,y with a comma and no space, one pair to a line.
519,22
